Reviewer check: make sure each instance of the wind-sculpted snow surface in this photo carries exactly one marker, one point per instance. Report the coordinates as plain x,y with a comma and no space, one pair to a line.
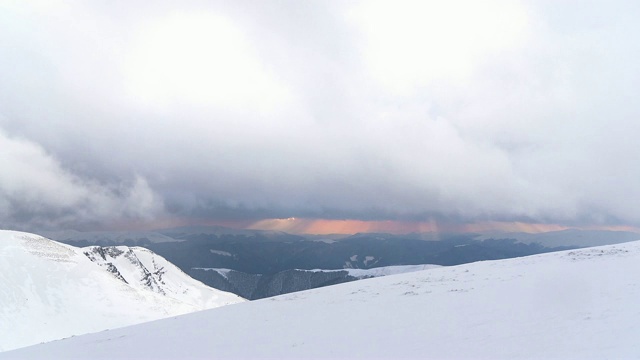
574,304
49,290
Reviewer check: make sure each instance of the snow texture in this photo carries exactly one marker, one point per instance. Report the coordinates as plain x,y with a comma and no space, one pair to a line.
50,290
573,304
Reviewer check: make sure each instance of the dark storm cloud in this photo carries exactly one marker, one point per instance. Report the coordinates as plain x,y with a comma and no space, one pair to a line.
35,190
372,110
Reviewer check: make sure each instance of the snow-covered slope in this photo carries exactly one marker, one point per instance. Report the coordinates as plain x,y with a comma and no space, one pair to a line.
387,270
573,304
50,290
145,270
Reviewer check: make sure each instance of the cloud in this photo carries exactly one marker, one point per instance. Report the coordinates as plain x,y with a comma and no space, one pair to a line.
409,43
36,191
197,59
500,111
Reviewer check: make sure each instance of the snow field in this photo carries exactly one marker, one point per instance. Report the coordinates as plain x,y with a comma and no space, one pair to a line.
572,304
50,291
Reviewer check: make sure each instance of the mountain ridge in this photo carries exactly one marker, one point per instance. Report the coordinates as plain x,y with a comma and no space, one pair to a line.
258,286
570,304
50,290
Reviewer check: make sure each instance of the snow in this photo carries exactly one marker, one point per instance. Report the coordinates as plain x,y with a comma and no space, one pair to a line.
50,290
380,271
568,237
573,304
388,270
221,252
368,259
145,270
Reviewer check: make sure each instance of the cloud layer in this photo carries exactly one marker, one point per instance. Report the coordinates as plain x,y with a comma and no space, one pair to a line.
411,111
35,190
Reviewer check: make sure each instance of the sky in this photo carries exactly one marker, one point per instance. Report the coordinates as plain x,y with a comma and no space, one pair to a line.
319,116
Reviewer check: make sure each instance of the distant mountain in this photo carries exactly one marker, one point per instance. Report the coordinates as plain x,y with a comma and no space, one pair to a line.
50,290
107,238
258,286
569,237
578,304
259,254
264,259
269,263
197,232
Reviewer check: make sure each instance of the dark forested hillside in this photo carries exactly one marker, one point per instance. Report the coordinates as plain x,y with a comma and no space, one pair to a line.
264,263
256,254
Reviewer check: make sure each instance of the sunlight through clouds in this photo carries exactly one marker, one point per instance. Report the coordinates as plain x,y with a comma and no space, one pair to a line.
409,43
471,111
199,59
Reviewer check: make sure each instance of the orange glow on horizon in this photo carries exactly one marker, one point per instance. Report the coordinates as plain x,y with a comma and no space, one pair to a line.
348,226
328,226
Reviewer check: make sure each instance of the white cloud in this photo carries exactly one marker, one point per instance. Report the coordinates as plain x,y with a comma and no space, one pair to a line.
482,110
35,189
411,43
198,58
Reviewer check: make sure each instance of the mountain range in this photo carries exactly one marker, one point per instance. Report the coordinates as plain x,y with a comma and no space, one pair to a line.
575,304
260,263
258,286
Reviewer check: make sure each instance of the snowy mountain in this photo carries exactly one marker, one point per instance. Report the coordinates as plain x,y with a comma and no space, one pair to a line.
258,286
386,270
142,269
569,237
572,304
50,290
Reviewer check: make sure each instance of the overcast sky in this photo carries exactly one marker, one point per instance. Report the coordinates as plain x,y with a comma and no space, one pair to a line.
119,114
